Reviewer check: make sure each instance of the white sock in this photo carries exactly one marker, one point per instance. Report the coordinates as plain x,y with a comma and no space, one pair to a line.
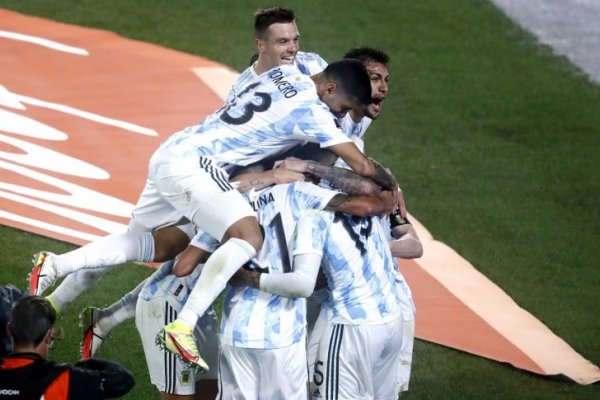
120,311
110,250
75,284
221,265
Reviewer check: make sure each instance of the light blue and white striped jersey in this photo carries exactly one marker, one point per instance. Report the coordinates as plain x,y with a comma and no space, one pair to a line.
274,113
355,131
306,63
163,282
361,274
256,319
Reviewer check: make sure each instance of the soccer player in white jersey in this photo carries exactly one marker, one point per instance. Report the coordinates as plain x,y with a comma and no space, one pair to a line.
159,302
359,353
277,43
406,243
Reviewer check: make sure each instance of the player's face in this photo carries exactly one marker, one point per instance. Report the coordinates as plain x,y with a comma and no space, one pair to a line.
379,86
338,103
280,45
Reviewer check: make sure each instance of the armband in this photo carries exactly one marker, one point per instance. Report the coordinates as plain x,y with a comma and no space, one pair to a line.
396,219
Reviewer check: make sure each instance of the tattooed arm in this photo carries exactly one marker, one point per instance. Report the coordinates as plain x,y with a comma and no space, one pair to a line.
362,206
344,179
261,180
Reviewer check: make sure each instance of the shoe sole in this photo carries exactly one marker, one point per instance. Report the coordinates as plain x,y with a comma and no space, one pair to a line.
161,342
88,319
34,275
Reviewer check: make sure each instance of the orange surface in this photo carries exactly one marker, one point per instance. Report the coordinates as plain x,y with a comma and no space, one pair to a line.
81,110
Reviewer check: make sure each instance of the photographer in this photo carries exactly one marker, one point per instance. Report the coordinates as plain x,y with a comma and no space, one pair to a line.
25,373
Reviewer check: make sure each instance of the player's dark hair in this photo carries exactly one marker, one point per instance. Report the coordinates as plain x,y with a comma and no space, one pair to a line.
352,78
265,17
368,54
31,319
253,59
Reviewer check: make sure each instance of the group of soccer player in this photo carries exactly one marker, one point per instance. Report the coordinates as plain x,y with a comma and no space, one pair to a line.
319,309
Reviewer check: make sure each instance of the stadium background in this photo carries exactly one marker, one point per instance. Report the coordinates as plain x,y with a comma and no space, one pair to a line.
493,138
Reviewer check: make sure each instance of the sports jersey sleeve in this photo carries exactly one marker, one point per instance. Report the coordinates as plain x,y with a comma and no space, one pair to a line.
299,283
153,282
319,125
306,262
308,196
310,234
310,63
204,241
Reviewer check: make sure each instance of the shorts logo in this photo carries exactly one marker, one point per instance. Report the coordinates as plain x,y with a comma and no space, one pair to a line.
184,379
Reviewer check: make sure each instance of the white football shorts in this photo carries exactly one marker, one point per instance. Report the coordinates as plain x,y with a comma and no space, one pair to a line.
167,372
192,188
247,373
359,362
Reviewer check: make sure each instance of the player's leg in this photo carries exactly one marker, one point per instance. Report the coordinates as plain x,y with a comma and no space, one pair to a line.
283,373
314,330
107,251
406,353
386,369
217,271
206,333
174,378
152,213
161,245
238,373
344,366
98,323
238,249
167,372
206,198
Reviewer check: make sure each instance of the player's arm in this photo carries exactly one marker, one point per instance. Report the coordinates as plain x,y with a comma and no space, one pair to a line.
300,283
261,180
365,166
370,168
344,179
362,206
405,243
188,260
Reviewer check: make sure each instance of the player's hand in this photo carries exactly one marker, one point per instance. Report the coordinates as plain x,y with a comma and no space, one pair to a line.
284,175
187,261
389,201
244,277
292,163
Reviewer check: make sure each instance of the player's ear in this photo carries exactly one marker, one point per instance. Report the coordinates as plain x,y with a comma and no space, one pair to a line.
260,45
331,87
328,90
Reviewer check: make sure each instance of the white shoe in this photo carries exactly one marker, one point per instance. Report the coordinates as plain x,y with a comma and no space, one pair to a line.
44,272
93,337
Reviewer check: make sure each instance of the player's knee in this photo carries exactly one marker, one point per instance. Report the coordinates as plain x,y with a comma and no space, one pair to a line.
256,241
248,230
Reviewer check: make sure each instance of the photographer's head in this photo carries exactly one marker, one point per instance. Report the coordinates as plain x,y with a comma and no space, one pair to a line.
31,325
